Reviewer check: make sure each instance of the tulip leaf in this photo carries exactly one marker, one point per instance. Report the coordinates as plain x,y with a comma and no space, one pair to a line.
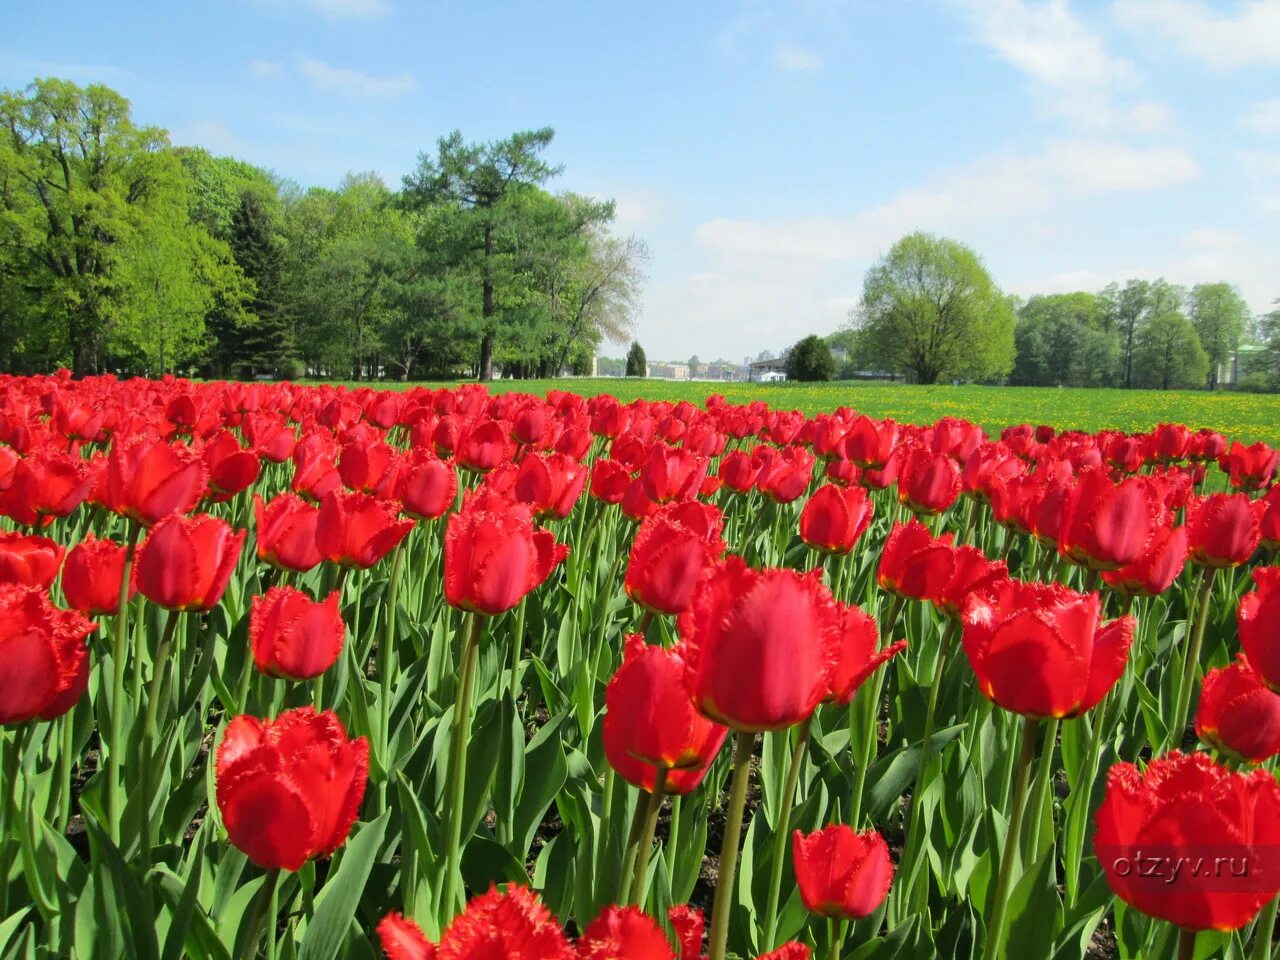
338,900
545,773
133,912
891,775
1035,910
486,862
10,925
190,933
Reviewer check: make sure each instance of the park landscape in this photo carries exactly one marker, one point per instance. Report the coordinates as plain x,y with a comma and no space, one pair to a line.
402,554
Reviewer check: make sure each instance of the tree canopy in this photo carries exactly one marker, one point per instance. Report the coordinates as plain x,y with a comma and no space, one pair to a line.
810,360
929,309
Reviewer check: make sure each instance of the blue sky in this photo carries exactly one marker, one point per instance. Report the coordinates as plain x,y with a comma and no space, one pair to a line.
767,150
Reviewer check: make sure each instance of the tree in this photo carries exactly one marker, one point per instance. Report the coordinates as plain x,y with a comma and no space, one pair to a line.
263,341
1060,340
1219,315
929,308
637,365
811,360
86,187
481,180
1168,354
1126,309
1269,337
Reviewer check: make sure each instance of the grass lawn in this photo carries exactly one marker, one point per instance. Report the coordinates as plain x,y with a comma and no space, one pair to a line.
1241,416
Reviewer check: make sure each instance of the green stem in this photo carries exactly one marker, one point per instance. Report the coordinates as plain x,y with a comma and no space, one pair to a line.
387,666
457,777
629,853
151,735
266,906
921,890
729,847
782,832
1264,931
1000,900
1040,791
1186,944
1178,723
1082,791
114,797
66,760
8,808
835,933
645,844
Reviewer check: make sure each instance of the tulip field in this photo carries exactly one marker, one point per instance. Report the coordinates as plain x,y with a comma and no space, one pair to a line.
328,671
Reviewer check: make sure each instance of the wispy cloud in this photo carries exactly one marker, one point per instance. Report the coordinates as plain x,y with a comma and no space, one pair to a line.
793,58
29,68
1264,118
266,68
1247,34
998,188
211,134
337,9
349,82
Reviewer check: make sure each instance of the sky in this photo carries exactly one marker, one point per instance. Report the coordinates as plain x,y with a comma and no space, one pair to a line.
768,151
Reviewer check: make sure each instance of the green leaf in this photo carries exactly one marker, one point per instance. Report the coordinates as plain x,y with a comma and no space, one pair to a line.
1035,911
336,906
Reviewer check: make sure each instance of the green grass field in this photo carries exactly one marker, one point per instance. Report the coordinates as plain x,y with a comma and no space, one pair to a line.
1241,416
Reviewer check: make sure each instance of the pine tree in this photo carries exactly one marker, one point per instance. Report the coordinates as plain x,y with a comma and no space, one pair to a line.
637,365
264,342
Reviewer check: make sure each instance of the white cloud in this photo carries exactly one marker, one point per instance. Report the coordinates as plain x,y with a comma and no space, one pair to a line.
265,68
1151,116
1264,118
999,187
211,134
353,83
27,67
337,9
792,58
1248,33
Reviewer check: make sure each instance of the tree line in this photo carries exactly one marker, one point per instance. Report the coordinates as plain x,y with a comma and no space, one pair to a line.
121,252
931,312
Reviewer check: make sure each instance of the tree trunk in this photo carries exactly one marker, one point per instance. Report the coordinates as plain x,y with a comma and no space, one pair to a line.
486,344
486,357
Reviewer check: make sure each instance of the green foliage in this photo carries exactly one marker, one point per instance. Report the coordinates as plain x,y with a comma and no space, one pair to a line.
930,309
637,363
264,339
1219,315
1168,354
811,360
1061,341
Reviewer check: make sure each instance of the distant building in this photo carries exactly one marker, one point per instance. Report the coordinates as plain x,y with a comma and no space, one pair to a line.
669,371
767,371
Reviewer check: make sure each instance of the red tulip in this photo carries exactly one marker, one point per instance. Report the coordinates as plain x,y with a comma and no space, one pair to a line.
186,562
1041,649
44,664
1222,530
288,789
29,561
739,470
293,636
286,529
91,576
1258,617
928,482
1109,525
44,485
1154,572
1237,714
511,924
956,438
148,479
357,530
972,573
426,486
635,504
915,565
672,548
609,480
987,465
270,436
860,654
835,517
1221,829
671,473
630,933
1269,519
550,483
787,478
482,445
869,443
1170,442
761,645
365,463
314,473
230,467
493,556
1250,468
650,717
842,873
